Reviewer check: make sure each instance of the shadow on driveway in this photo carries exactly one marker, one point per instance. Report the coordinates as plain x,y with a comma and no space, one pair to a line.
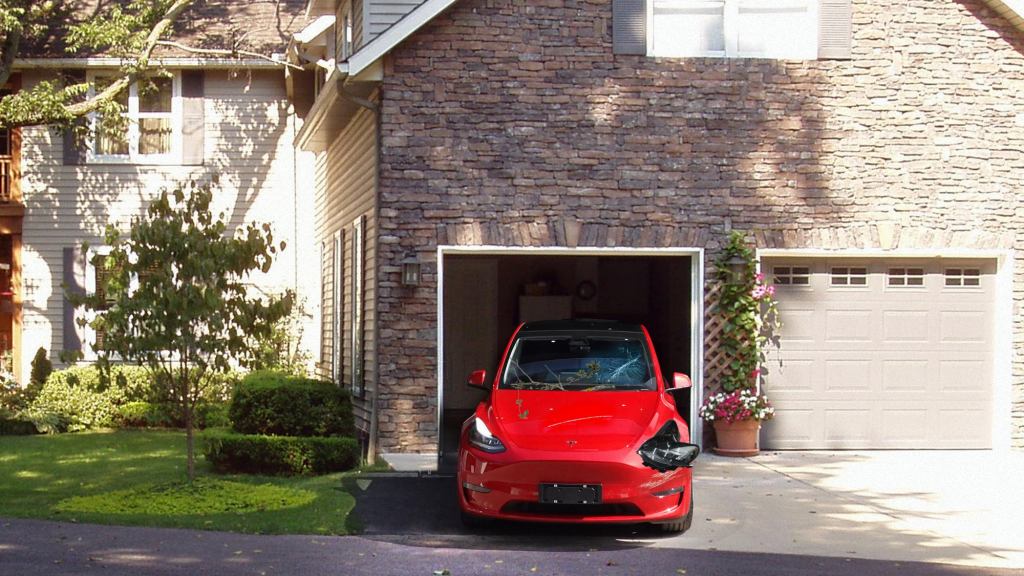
424,511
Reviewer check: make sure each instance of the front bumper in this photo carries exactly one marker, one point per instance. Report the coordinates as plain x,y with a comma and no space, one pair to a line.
507,486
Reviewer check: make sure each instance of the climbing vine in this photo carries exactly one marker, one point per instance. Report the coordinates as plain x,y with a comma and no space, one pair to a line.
749,312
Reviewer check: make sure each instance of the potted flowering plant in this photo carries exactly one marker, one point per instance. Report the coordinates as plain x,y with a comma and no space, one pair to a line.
750,322
737,417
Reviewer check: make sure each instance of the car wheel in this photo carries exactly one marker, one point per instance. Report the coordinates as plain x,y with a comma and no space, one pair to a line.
681,525
473,521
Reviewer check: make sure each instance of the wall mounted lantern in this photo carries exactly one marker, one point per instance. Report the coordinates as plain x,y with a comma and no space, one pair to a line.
737,266
411,271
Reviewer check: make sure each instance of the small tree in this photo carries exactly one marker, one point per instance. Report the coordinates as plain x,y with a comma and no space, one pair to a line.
173,296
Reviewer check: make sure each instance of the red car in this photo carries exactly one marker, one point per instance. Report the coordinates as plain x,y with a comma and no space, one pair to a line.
578,427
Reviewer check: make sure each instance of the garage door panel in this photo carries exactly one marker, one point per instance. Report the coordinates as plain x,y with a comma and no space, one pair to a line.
898,362
847,427
792,428
845,326
964,327
967,377
905,375
903,326
849,375
802,325
796,375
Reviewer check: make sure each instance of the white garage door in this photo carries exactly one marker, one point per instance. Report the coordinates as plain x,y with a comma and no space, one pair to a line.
882,354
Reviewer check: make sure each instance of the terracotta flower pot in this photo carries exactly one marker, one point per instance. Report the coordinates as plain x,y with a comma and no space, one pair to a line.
738,438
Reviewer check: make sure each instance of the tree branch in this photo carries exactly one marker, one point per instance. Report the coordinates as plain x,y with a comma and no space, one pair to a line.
233,53
141,64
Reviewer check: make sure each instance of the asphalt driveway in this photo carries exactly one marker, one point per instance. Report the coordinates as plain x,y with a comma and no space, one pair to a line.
955,507
796,513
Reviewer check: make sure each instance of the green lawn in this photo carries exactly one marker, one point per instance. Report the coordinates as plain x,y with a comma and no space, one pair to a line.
137,478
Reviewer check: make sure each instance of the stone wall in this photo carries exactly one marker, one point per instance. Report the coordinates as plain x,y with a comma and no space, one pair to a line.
512,123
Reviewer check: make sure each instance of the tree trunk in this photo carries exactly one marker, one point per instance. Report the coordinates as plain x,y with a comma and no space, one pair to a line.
190,443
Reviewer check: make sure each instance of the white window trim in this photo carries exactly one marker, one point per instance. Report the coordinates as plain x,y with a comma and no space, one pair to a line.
323,300
89,352
336,307
730,15
133,157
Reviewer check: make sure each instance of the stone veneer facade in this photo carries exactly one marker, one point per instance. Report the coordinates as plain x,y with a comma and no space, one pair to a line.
513,123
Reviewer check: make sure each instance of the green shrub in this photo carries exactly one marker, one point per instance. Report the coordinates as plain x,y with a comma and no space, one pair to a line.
45,421
143,415
286,455
161,415
279,404
85,398
16,427
212,415
41,369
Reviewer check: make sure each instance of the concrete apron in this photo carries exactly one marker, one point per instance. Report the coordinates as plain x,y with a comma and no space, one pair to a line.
958,507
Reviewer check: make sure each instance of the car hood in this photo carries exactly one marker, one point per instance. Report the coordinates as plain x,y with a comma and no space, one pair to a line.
552,420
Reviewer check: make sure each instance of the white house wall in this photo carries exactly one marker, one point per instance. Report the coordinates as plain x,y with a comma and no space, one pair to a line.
248,136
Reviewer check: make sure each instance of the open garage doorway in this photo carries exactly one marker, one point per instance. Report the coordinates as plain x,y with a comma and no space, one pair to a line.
484,293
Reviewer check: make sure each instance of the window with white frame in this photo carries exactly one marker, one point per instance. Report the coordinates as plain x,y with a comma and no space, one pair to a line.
97,277
849,276
963,277
905,277
337,305
733,28
150,127
346,36
791,275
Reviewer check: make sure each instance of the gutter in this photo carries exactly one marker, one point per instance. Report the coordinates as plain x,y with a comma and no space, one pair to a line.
108,62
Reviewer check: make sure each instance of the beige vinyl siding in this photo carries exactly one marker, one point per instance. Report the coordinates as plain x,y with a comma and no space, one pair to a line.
248,136
346,180
358,17
382,15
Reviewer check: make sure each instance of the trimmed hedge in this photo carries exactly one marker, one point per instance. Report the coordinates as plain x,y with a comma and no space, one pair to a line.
280,404
15,427
284,455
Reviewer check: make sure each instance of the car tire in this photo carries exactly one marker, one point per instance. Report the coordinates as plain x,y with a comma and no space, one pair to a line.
681,525
473,521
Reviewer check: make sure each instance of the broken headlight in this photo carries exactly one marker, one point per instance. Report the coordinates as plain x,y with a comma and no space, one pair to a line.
665,452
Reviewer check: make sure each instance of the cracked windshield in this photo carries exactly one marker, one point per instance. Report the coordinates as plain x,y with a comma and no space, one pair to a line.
579,364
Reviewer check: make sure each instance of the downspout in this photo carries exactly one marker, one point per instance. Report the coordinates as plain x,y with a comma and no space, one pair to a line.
371,444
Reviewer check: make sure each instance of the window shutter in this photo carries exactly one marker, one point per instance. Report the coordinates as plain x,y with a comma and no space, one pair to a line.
74,283
193,117
629,26
74,144
835,29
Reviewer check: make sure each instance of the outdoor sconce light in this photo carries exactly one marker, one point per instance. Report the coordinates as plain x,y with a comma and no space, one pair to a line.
411,271
737,266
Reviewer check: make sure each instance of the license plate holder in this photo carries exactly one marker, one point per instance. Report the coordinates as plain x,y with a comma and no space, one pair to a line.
570,493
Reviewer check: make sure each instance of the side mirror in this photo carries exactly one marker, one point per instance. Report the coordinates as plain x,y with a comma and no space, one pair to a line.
478,379
680,380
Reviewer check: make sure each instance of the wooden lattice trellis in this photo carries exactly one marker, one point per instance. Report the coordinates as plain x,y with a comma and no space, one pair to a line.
716,360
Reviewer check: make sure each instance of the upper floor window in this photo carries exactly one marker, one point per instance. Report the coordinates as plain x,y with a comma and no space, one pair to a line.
733,28
150,127
346,36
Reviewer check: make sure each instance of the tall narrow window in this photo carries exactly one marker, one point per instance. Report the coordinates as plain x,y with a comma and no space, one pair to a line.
324,331
346,36
358,385
336,305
